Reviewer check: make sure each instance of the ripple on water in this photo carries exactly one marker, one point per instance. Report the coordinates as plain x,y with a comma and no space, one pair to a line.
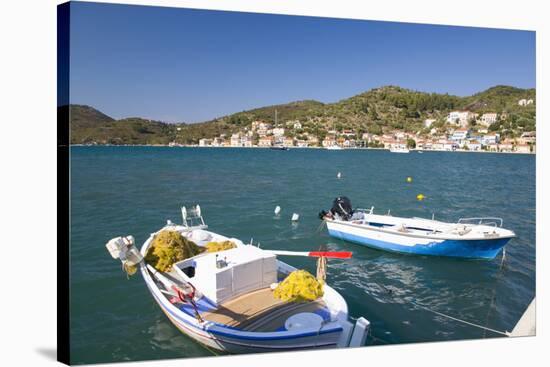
121,190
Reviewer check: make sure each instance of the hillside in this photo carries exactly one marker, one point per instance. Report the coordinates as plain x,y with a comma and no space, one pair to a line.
376,111
89,125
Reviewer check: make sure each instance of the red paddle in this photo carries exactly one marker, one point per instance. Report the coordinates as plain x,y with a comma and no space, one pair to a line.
327,254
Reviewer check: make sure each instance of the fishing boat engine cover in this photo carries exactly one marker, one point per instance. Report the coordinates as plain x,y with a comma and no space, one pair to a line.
123,248
341,206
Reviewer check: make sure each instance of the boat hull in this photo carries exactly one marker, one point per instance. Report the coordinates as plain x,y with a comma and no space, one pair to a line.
472,249
335,333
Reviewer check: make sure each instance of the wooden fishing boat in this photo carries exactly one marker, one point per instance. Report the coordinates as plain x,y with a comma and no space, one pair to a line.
225,300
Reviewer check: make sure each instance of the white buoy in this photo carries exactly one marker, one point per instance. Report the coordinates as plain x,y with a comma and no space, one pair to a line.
339,175
277,210
295,217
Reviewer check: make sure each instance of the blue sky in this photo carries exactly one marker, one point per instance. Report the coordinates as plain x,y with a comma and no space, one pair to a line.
181,65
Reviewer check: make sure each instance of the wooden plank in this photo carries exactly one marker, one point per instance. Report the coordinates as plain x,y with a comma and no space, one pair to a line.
244,311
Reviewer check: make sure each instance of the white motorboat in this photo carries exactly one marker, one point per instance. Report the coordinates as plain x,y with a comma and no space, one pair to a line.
399,149
229,304
480,238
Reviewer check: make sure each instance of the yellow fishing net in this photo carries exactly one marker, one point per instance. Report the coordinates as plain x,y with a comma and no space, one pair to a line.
299,286
169,247
219,246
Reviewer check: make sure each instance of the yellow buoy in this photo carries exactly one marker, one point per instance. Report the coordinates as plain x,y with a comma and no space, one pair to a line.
420,197
409,179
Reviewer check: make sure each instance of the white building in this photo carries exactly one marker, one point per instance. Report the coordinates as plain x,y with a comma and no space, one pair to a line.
487,119
490,139
297,125
525,102
265,141
278,131
450,145
236,140
474,145
329,141
246,141
460,136
205,142
528,137
262,128
216,142
461,118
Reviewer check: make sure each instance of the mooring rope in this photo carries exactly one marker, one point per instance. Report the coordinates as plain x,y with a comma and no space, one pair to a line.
318,230
463,321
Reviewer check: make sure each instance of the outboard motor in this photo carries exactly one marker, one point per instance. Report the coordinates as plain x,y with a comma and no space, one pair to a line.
341,206
123,248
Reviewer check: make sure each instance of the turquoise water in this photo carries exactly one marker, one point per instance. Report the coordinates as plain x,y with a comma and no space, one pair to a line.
134,190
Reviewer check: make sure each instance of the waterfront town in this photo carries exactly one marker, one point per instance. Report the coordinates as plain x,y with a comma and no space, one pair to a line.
460,131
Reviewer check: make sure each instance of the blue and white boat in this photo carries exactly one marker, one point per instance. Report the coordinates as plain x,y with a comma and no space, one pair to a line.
475,238
228,304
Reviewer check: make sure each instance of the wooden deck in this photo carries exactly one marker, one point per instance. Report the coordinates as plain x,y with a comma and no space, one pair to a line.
258,311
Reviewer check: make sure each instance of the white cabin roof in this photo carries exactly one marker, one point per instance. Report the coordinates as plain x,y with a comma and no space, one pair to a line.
234,257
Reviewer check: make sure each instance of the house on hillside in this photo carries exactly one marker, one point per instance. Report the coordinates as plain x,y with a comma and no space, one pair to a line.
278,131
528,137
205,142
523,148
450,145
461,118
490,139
505,147
288,142
473,145
329,141
312,141
217,142
525,102
487,119
348,133
236,140
460,136
265,141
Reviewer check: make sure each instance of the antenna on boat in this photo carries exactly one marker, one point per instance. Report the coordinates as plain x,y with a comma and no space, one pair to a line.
184,215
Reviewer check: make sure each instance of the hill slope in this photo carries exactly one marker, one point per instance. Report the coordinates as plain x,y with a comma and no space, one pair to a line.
377,111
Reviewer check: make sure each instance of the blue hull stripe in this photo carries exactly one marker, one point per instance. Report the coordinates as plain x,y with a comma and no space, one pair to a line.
474,249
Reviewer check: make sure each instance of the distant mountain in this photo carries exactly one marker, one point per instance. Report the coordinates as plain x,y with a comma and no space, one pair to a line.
89,125
377,111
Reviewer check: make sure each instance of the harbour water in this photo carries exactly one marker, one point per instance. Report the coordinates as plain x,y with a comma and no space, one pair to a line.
134,190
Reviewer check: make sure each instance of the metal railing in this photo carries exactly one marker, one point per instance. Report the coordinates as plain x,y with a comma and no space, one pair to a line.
488,221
